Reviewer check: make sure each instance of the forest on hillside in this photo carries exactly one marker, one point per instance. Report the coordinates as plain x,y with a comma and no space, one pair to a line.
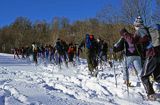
105,25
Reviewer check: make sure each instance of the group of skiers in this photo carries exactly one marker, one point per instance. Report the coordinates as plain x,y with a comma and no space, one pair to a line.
142,50
50,54
23,51
61,52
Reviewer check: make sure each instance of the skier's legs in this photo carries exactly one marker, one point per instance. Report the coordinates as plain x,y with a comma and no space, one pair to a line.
149,67
127,61
156,72
137,64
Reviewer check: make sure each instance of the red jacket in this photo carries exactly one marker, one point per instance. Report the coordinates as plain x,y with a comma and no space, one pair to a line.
71,50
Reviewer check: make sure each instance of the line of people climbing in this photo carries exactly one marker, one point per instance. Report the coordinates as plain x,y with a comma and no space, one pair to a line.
61,52
140,49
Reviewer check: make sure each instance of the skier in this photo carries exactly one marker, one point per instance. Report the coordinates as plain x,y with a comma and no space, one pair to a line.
71,53
46,54
23,52
131,55
34,52
51,54
60,53
27,53
91,52
151,47
103,51
16,53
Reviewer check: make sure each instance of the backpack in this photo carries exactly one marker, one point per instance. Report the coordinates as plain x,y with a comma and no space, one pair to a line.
59,46
154,32
89,41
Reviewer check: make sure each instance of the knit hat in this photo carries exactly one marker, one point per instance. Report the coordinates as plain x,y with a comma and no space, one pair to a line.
138,21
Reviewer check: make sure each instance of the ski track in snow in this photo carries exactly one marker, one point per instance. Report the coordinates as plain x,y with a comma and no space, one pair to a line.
20,82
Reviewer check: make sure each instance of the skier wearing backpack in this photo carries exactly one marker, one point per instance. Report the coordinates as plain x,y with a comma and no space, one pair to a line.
61,51
151,41
71,52
91,53
150,45
131,55
103,51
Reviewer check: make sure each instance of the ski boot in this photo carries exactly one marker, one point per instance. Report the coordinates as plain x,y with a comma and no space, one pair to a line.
152,97
128,83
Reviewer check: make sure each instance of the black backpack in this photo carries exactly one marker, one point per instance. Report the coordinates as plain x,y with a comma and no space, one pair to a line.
59,46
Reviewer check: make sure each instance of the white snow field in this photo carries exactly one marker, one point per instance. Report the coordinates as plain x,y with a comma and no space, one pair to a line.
23,83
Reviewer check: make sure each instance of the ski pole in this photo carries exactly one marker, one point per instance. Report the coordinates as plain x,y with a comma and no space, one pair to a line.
114,70
126,69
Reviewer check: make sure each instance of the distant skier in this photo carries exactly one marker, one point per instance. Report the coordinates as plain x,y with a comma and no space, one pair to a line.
103,51
61,51
71,53
34,52
16,53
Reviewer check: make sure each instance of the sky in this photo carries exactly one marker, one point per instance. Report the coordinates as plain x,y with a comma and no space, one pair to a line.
47,9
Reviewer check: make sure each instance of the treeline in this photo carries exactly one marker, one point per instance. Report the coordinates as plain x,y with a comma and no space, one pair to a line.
23,32
105,25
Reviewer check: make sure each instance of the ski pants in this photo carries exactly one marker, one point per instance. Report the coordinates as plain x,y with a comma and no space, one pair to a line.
136,61
91,60
35,57
151,67
103,56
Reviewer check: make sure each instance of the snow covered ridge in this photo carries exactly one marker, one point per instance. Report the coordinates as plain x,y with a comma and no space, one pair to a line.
22,83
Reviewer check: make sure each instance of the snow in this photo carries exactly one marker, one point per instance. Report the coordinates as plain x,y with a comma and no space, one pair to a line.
23,83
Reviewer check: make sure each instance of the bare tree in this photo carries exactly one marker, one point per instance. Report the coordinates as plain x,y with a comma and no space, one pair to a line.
108,14
133,8
20,28
55,29
156,12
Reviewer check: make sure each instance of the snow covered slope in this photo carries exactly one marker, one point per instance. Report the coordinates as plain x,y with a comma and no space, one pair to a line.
23,83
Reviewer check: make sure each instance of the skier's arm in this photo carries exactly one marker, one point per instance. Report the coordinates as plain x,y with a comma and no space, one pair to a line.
119,46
